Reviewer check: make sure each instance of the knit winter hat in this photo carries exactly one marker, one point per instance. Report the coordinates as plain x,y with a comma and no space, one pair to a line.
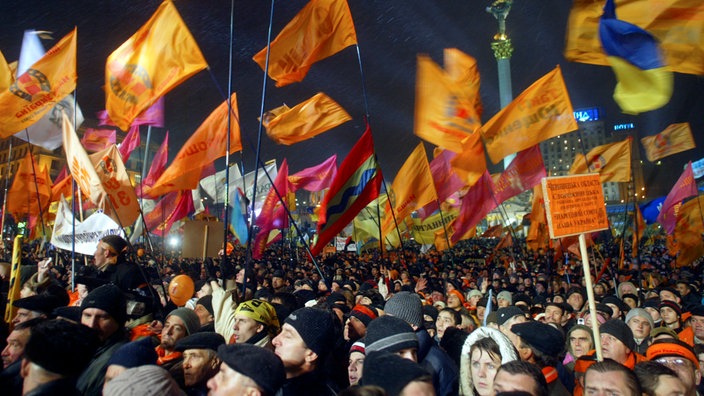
390,371
261,311
389,333
457,293
203,340
134,354
473,293
407,306
642,313
358,346
207,303
541,336
116,244
189,318
257,363
620,330
149,380
506,313
364,313
110,299
315,326
505,295
671,304
61,347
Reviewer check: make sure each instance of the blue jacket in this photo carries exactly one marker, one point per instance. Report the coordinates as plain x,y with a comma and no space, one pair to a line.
439,364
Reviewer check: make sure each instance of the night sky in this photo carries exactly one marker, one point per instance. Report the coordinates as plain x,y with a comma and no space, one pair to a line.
390,34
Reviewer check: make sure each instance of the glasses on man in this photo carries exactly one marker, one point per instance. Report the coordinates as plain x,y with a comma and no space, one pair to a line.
674,362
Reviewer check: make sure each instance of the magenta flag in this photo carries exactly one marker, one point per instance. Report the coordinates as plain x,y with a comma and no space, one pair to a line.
173,206
524,172
98,139
476,204
266,217
316,178
153,116
685,187
445,179
158,163
131,142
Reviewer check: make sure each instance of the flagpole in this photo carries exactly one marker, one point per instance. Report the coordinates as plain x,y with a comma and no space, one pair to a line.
144,169
398,231
4,200
226,219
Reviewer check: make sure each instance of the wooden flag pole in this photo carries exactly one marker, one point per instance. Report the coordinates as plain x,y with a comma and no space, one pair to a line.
590,296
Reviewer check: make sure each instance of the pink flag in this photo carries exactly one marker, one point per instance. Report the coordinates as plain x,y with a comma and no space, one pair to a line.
476,204
524,172
153,116
316,178
98,139
685,187
174,206
158,163
265,221
445,179
129,143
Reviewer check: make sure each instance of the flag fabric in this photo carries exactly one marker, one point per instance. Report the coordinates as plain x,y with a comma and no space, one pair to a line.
412,189
638,229
424,230
446,181
523,173
470,163
542,111
208,143
611,161
30,192
214,185
13,292
272,203
153,116
6,77
461,69
305,120
358,182
158,162
63,185
131,141
263,185
120,201
81,167
98,139
444,109
321,29
157,58
688,232
238,221
684,188
676,138
677,24
538,235
476,204
171,208
316,178
493,231
505,242
651,210
643,81
36,91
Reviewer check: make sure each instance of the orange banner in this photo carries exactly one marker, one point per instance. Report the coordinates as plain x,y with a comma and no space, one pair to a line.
676,138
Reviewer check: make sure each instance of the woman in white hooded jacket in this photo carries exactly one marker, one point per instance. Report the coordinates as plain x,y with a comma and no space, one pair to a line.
484,350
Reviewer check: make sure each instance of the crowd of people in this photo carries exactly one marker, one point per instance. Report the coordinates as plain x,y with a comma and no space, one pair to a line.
473,320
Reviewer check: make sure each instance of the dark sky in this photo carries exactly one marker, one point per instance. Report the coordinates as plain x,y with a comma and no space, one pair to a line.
390,34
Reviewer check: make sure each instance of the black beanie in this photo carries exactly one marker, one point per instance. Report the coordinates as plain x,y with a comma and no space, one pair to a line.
390,371
257,363
391,334
110,299
116,243
315,326
207,303
61,347
620,330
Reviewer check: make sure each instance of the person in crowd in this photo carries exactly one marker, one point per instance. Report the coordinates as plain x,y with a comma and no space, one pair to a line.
690,298
10,377
200,361
618,344
576,298
542,344
56,354
610,378
658,380
506,318
149,380
204,310
483,351
355,363
110,259
504,299
179,323
679,357
255,322
247,369
357,321
696,322
641,324
38,306
130,355
520,378
447,317
580,340
306,337
396,375
394,335
105,310
671,313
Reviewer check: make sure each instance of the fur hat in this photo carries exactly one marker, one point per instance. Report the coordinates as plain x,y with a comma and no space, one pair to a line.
389,333
189,318
407,306
316,328
257,363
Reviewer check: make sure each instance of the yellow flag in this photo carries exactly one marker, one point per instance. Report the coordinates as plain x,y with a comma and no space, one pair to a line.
5,74
445,113
611,161
470,163
158,57
208,143
412,188
461,69
538,235
688,232
42,86
321,29
540,112
676,138
80,165
30,190
305,120
424,231
677,24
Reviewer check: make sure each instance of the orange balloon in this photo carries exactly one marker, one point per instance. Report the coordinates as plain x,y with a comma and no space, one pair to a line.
181,289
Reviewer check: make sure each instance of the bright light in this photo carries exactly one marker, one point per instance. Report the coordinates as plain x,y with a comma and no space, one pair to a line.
173,241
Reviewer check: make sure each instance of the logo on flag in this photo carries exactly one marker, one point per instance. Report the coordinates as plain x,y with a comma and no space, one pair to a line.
128,81
29,84
597,163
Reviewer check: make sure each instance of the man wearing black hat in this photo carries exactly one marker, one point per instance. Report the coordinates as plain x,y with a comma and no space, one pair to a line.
200,360
541,344
247,370
110,258
104,310
618,343
37,306
56,353
506,318
10,378
306,337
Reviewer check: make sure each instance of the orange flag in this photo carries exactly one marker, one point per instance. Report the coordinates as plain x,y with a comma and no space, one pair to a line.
120,202
676,138
637,231
305,120
42,86
538,235
461,69
30,190
677,24
321,29
412,188
445,112
207,144
542,111
80,165
157,58
5,74
689,230
470,163
611,161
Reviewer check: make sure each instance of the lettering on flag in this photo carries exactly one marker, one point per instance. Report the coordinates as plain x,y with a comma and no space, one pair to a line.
87,233
121,202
